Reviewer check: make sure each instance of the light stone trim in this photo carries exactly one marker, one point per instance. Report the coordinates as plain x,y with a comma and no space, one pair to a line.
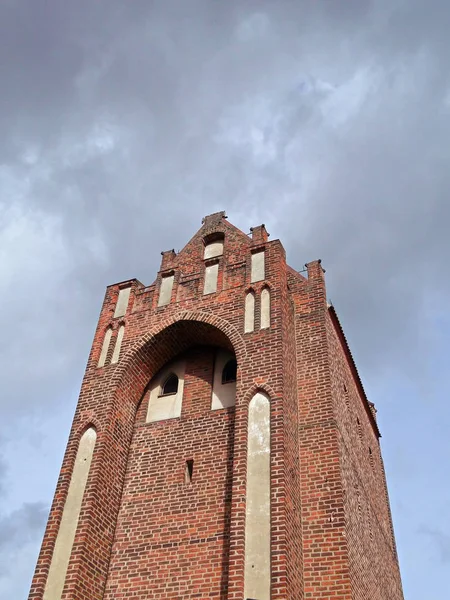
213,249
211,276
122,302
265,308
118,345
105,347
249,317
223,394
168,406
165,292
257,512
69,521
258,266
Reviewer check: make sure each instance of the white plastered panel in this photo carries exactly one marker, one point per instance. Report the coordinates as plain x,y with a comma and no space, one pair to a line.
165,292
167,406
257,512
69,521
211,274
249,318
116,353
258,266
105,347
224,394
122,302
213,249
265,308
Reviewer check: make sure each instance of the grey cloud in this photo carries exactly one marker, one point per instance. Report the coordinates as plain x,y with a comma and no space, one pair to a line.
440,540
20,537
124,124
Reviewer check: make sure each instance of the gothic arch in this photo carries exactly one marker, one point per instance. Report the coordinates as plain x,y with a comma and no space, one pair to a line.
163,342
265,388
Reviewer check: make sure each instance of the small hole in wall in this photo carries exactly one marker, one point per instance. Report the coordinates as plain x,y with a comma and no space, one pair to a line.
189,470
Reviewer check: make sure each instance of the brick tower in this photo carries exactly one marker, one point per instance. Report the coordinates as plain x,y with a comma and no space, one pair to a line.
222,446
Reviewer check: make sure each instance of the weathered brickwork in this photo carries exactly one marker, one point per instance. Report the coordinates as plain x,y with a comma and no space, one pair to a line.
148,528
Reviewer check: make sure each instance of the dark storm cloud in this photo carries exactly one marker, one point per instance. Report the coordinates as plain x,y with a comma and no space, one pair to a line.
124,123
20,526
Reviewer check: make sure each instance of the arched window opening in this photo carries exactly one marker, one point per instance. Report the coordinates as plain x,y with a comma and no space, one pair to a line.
229,372
170,386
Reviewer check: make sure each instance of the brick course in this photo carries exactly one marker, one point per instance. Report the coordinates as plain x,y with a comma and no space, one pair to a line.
143,531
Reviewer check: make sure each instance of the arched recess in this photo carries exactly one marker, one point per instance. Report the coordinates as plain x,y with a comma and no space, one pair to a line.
118,344
116,411
171,337
67,528
128,385
105,347
249,316
257,513
265,308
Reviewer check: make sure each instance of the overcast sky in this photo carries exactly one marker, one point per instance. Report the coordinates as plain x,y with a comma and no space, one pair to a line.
124,123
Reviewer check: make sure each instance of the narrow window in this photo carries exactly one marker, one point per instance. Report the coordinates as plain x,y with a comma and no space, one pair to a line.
165,292
229,372
105,347
249,318
211,275
258,267
116,353
189,471
170,386
265,308
122,302
166,394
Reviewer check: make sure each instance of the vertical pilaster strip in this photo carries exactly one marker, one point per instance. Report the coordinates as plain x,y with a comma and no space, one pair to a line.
68,526
257,515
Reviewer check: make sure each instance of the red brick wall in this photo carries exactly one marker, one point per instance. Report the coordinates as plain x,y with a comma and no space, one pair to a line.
371,547
142,531
172,537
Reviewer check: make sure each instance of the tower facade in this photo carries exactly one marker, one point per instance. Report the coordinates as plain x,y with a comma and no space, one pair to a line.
222,446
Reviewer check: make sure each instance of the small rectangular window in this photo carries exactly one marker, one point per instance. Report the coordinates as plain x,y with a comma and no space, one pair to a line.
258,266
211,275
165,292
189,471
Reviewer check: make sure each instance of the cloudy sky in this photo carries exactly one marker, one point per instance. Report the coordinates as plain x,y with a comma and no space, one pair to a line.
124,123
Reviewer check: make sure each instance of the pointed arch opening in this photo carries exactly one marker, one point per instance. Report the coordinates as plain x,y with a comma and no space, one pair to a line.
170,386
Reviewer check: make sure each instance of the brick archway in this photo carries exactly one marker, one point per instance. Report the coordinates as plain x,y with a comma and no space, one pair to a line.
169,338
